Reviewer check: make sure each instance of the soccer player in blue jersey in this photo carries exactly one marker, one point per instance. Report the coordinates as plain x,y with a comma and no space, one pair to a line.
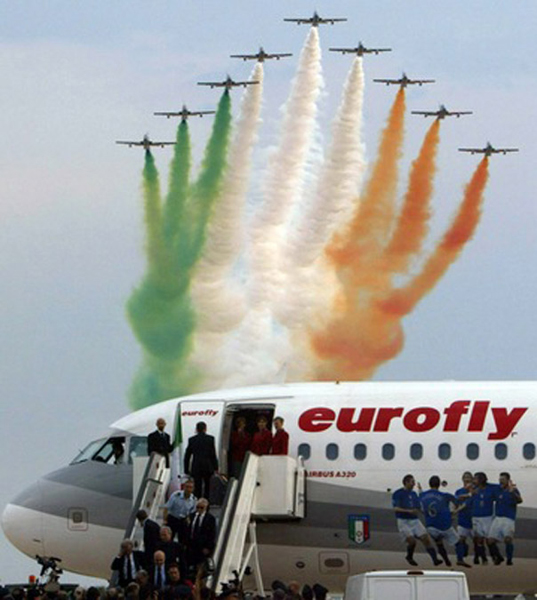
407,506
464,515
483,500
436,507
503,526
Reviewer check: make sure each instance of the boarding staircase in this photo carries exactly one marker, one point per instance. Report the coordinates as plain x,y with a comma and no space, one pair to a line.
269,488
152,487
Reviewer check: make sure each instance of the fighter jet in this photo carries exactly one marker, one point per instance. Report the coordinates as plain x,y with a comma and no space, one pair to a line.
184,113
442,112
315,21
146,143
488,150
360,50
260,56
228,83
404,81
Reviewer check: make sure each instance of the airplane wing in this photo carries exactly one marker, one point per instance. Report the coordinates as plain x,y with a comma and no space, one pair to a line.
343,50
331,21
420,81
130,143
377,50
245,83
299,21
162,144
506,150
458,113
388,81
425,113
244,56
279,55
473,150
212,83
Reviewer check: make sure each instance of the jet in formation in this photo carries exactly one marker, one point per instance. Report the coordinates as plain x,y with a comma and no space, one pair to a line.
228,83
315,21
184,113
360,50
404,81
442,112
488,150
261,56
146,143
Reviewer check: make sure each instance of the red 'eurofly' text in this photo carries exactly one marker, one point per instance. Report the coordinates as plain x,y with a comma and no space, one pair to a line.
460,415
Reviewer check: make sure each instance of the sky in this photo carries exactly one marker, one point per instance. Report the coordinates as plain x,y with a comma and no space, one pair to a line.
77,76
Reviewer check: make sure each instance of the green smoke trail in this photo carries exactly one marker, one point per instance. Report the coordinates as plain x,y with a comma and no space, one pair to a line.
206,189
152,213
178,184
160,310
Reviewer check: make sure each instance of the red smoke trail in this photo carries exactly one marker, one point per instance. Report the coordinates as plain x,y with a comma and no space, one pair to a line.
367,331
402,301
411,227
368,230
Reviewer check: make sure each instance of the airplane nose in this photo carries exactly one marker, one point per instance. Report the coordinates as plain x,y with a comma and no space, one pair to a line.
22,521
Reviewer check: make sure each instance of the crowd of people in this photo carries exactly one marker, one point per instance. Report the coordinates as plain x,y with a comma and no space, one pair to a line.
483,513
177,553
141,589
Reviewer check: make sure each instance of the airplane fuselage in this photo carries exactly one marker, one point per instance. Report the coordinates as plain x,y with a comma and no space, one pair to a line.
358,441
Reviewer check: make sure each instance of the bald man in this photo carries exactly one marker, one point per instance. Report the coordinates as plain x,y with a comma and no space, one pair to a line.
159,441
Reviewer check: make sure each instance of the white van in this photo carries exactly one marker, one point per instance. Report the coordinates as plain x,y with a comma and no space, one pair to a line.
407,585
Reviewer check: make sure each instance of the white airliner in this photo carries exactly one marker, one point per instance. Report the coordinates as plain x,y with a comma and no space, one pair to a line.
358,441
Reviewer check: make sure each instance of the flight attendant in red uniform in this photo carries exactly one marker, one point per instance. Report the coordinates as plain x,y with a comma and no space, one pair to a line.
241,441
280,441
262,442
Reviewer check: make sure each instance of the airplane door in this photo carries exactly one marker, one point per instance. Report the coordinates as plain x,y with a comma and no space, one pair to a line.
191,413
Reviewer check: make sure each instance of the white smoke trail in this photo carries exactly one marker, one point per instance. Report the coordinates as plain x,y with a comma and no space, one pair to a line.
260,349
216,308
309,285
340,178
219,302
285,179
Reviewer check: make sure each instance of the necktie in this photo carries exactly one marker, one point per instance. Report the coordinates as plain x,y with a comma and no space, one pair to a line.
129,567
159,578
195,526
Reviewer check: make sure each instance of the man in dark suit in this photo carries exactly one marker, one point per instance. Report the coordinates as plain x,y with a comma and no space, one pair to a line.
151,534
200,460
127,563
173,551
202,535
159,441
158,572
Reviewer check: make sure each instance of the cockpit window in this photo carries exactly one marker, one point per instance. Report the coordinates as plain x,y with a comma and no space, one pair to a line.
137,447
111,451
88,451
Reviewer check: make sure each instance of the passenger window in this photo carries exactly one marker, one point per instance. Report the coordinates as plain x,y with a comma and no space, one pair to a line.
472,451
528,451
388,451
500,451
332,451
304,450
416,451
360,451
444,451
